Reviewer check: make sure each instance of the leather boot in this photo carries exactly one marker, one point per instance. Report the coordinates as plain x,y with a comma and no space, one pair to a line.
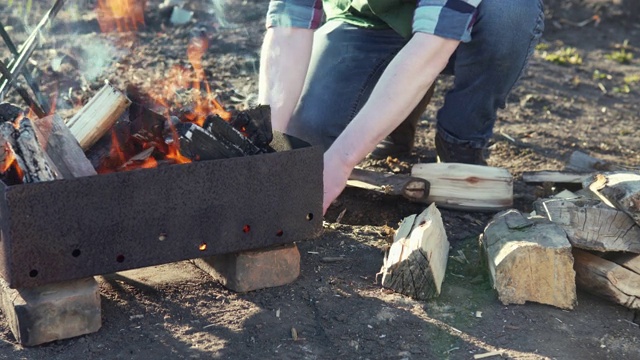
458,153
400,141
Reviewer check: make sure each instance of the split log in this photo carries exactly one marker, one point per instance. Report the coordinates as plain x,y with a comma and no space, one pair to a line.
618,189
231,137
555,177
607,279
412,188
416,262
62,148
256,124
198,144
98,116
591,224
467,187
529,259
21,143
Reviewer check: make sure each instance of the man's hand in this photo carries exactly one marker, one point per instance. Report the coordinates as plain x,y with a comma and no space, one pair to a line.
335,176
400,88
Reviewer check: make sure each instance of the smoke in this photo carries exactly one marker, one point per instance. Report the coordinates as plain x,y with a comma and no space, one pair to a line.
98,55
218,10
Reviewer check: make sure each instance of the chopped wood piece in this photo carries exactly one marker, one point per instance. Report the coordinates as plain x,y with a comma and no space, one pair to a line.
26,151
619,189
607,279
198,144
62,148
529,259
98,116
556,177
592,225
467,187
231,137
256,124
412,188
416,262
36,168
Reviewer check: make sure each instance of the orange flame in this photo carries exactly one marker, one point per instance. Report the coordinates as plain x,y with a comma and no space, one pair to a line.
120,15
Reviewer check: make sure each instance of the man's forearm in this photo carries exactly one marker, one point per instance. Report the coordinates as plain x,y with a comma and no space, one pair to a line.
283,67
402,85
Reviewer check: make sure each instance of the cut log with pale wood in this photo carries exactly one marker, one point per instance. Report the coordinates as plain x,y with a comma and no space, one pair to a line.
592,225
607,279
555,177
626,260
529,259
416,262
98,116
62,148
467,187
618,189
412,188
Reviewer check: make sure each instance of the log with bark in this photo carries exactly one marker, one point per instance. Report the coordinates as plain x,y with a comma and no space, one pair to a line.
62,148
415,263
592,225
412,188
529,259
20,143
608,279
618,189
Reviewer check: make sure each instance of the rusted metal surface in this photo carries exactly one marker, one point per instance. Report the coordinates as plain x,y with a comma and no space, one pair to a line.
68,229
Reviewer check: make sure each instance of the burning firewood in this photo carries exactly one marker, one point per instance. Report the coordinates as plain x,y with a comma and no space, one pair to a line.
62,148
20,142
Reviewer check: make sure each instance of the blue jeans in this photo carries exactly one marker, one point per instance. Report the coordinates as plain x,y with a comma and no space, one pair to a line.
347,61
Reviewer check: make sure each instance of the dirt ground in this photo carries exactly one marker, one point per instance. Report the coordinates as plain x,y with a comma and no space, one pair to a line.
177,312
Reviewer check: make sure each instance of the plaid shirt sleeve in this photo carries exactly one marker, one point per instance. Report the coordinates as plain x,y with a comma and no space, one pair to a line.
452,19
306,14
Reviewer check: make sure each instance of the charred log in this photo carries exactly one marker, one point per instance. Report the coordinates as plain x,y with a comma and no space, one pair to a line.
197,143
21,143
231,137
10,112
255,123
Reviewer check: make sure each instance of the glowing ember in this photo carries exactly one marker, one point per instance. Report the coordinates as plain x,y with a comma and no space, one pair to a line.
120,15
202,246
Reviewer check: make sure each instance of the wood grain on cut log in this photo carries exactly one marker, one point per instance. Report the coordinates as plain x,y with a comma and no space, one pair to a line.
62,148
416,262
529,260
619,189
467,187
591,224
97,117
607,279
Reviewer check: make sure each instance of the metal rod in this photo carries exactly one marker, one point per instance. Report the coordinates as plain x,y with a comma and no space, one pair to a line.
29,45
41,100
24,94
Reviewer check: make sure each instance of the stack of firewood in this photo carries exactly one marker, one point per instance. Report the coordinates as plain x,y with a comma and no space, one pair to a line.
590,237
